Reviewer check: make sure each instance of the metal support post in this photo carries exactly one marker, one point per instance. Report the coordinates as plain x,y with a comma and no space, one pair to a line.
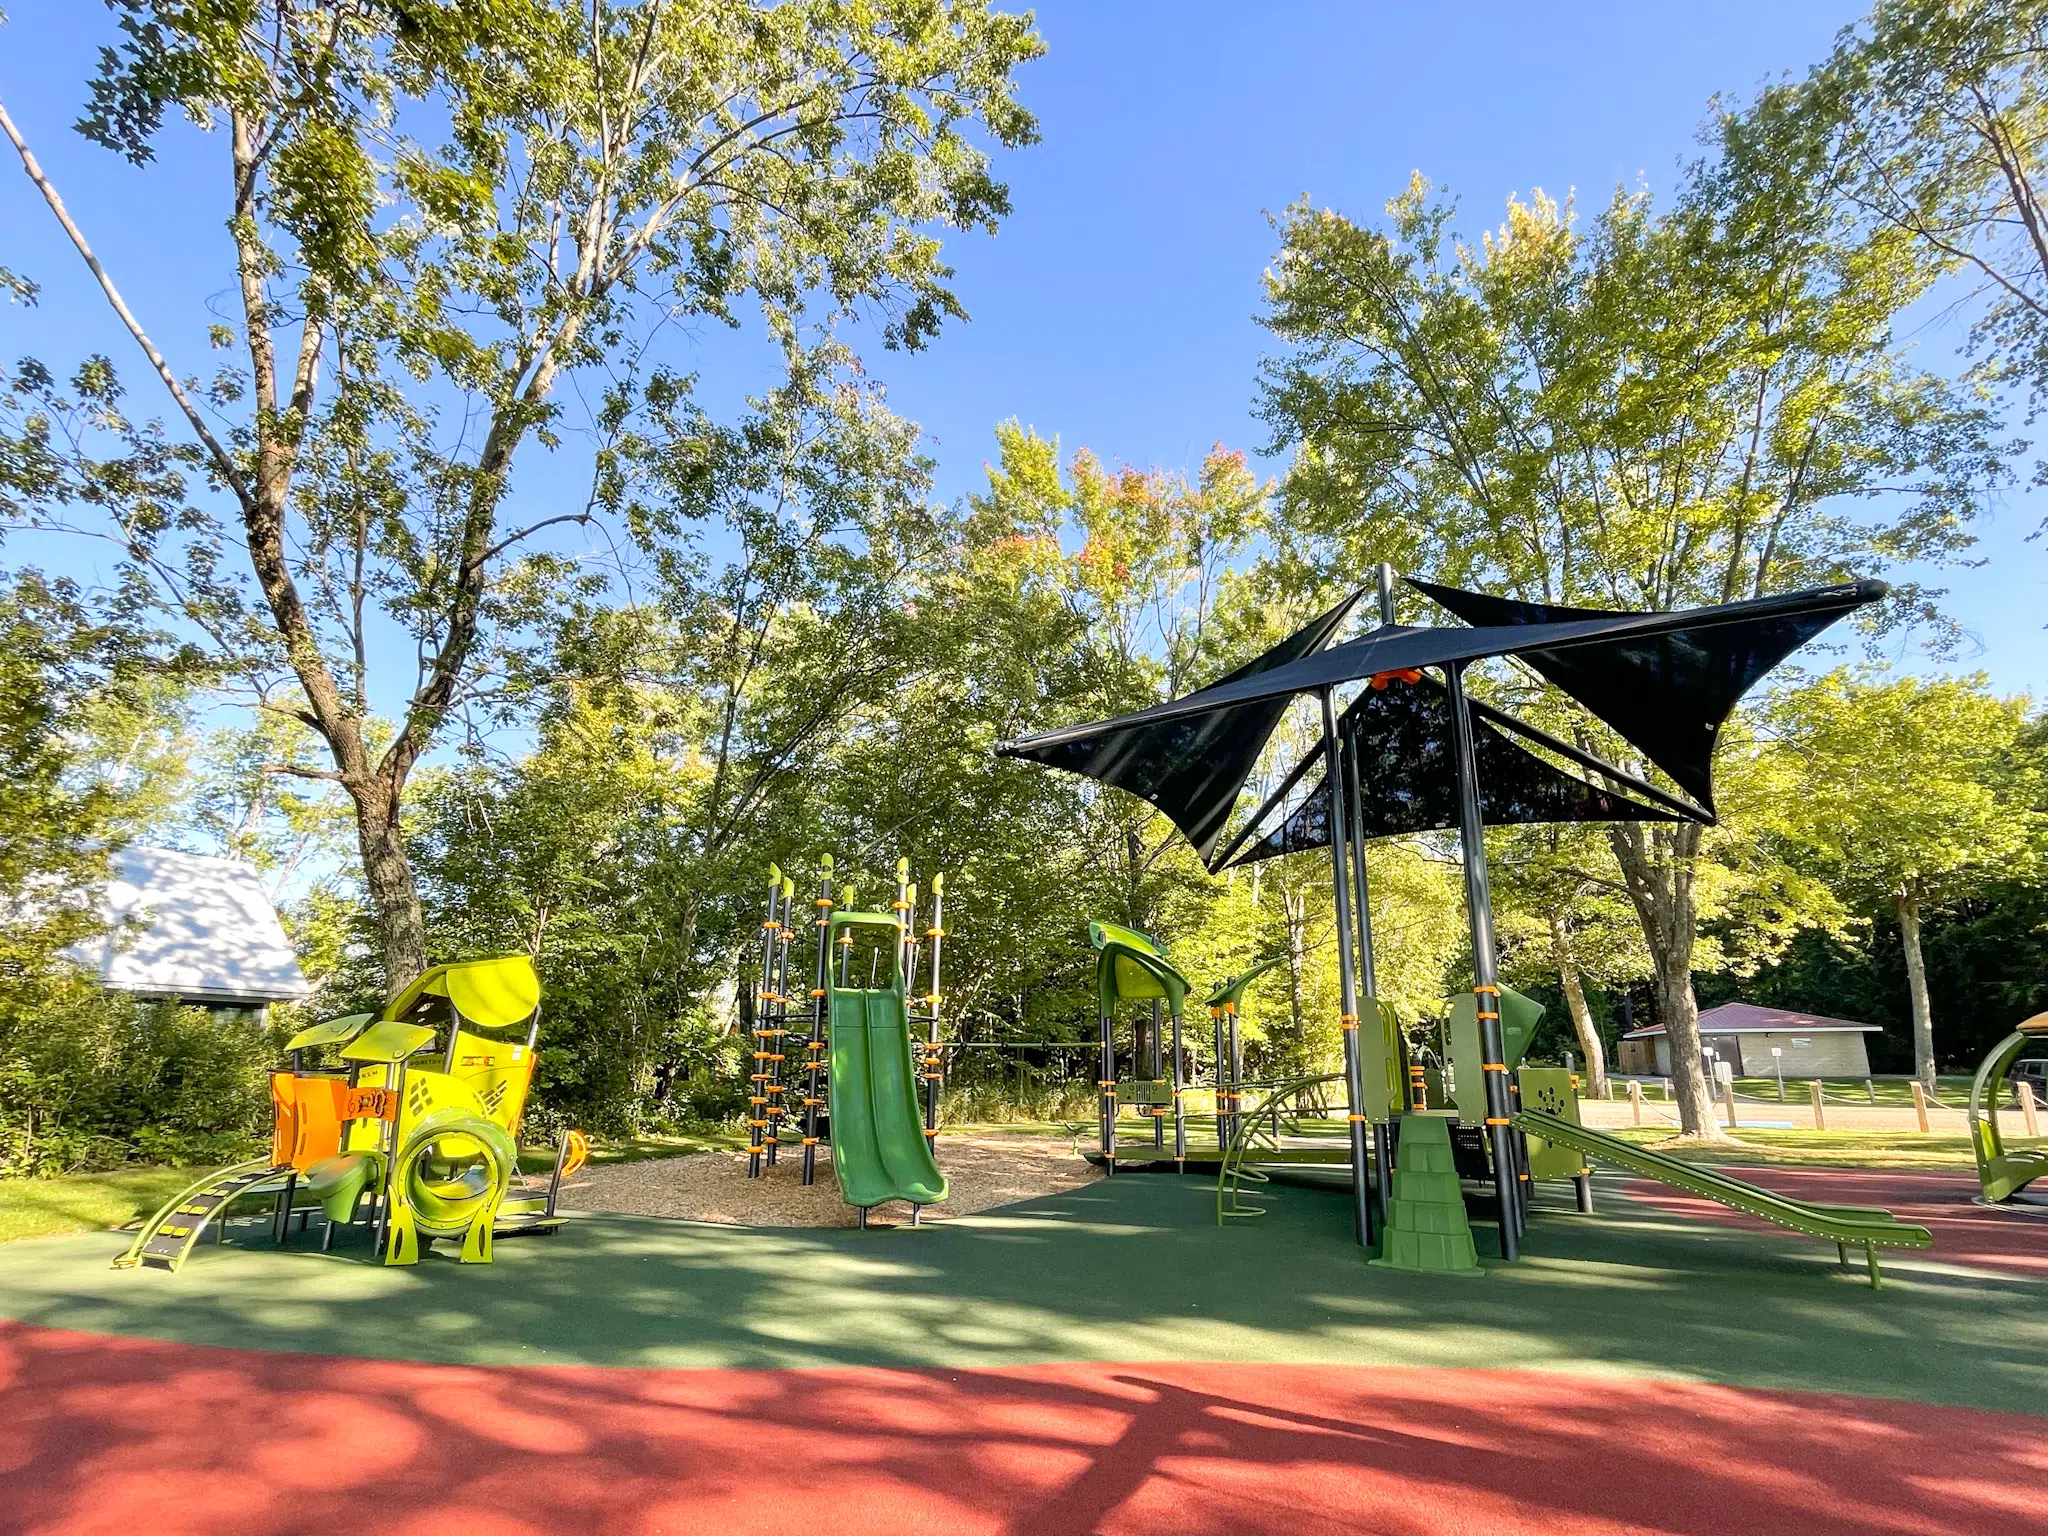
1355,820
764,996
1180,1122
814,1046
1153,1058
1347,980
1485,971
1106,1083
934,1060
778,1104
1236,1077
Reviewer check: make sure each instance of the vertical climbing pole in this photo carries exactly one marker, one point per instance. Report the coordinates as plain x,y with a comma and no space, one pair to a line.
934,1058
1236,1077
1222,1080
757,1081
1150,1059
1347,980
905,938
1485,972
1180,1119
814,1047
846,939
1105,1083
778,1103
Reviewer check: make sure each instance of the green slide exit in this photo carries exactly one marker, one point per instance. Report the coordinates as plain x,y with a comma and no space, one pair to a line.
879,1148
1842,1225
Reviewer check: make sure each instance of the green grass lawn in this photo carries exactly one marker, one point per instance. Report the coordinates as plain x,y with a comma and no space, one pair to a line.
86,1202
1830,1149
1891,1094
95,1202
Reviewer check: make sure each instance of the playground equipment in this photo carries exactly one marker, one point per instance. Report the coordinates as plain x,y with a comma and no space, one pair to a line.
1420,1154
877,1086
422,1146
1845,1226
1436,759
2002,1174
1224,1004
1131,967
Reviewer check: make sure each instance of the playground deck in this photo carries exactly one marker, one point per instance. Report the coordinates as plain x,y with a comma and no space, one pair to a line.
1102,1360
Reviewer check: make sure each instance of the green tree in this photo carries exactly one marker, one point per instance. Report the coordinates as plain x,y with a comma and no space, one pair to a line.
1914,794
439,213
1690,406
77,1069
1931,118
1564,911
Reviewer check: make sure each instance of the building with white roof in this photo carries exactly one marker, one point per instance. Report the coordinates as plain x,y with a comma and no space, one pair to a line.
188,928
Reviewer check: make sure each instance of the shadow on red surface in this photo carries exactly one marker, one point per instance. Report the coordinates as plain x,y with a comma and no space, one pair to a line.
127,1435
2014,1241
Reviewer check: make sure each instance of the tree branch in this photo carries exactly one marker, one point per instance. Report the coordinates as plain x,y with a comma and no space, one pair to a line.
223,462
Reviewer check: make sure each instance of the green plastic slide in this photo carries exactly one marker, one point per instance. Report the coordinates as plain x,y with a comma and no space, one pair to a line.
879,1148
1842,1225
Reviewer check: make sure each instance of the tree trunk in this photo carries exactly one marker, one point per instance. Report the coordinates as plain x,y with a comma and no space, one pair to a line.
394,899
1575,1003
1657,866
1906,903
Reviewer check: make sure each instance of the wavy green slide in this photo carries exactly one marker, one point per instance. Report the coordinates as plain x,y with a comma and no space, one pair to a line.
879,1148
1842,1225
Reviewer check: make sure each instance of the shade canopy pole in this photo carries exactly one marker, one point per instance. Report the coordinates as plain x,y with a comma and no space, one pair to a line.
1347,979
1485,971
1355,805
1382,1134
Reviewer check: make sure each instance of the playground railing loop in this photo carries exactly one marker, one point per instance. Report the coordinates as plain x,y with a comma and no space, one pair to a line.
1259,1128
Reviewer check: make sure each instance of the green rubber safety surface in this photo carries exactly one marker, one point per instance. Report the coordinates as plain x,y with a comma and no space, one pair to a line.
1127,1269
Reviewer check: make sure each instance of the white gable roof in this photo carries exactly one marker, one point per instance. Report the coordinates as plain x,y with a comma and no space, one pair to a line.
203,929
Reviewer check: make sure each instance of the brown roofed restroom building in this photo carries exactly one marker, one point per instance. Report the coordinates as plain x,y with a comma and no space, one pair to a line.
1743,1034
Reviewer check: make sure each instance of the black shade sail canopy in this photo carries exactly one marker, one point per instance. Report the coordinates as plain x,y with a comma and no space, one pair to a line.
1695,672
1403,734
1399,647
1193,765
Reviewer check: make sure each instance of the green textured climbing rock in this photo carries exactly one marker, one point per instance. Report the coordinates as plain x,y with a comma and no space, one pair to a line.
1426,1231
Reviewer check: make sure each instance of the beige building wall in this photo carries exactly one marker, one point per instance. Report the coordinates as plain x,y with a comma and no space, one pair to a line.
1826,1054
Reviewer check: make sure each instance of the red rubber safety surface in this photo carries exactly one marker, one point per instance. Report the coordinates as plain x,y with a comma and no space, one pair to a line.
102,1434
1984,1237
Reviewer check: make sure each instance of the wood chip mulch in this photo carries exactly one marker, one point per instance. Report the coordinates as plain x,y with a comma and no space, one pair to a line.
982,1172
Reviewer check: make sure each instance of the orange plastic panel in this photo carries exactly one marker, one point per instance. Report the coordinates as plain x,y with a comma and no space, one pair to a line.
369,1104
306,1116
576,1153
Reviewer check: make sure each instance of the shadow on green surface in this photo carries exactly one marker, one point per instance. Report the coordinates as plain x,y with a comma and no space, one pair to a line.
1128,1269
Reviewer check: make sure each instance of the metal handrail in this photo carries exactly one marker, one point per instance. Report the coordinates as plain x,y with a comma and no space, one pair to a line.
1231,1172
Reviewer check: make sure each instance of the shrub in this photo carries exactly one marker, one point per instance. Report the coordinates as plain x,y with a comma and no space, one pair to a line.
89,1081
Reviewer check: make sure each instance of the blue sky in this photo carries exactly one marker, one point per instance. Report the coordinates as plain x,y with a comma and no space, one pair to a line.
1116,308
